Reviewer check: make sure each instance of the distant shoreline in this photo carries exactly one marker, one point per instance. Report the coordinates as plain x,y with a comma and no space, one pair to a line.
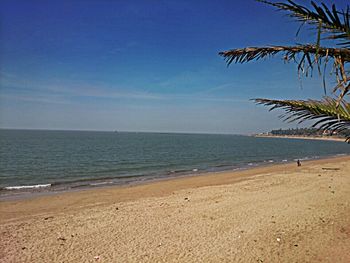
321,138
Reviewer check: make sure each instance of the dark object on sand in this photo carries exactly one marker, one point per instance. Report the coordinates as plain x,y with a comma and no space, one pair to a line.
298,163
331,169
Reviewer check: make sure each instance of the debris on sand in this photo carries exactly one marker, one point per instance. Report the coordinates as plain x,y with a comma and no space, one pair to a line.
331,169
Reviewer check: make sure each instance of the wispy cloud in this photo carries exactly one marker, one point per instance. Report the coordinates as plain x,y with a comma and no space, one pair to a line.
17,87
219,88
69,92
196,97
41,99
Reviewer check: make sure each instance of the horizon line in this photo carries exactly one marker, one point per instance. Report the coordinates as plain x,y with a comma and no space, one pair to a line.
125,131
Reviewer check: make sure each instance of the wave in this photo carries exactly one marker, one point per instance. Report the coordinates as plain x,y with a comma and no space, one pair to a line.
19,187
100,183
130,178
178,171
86,181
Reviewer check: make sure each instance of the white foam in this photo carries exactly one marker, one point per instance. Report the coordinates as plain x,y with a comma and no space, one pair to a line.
18,187
101,183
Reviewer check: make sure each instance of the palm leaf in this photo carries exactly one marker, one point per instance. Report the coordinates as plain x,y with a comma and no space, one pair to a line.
243,55
334,22
327,113
306,56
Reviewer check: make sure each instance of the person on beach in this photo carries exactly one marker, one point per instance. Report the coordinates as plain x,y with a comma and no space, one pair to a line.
298,163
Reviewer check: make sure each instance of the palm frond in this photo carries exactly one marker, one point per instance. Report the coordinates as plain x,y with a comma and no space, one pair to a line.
334,22
243,55
328,113
306,57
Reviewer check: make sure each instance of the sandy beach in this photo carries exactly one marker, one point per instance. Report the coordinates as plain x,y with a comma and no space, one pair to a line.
279,213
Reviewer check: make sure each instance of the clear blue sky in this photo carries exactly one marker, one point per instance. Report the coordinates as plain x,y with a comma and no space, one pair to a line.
143,65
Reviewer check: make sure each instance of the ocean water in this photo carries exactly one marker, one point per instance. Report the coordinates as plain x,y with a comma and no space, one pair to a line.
61,160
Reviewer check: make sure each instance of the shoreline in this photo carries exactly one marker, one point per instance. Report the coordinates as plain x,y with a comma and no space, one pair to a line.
206,179
321,138
48,189
276,213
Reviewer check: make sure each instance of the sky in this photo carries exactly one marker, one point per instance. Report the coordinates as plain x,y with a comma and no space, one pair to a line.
148,65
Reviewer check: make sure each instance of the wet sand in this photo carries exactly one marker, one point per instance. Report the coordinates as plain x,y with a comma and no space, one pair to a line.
279,213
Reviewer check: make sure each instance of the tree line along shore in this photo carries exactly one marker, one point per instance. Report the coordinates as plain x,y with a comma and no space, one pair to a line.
305,133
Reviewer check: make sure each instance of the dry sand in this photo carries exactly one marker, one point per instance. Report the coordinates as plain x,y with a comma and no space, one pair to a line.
280,213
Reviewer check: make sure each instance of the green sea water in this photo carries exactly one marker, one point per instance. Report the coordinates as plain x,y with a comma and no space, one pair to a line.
60,160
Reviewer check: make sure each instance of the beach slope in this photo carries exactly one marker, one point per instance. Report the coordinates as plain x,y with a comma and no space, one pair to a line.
280,213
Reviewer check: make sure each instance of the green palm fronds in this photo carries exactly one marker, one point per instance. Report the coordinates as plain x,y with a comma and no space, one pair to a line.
329,115
332,21
306,57
243,55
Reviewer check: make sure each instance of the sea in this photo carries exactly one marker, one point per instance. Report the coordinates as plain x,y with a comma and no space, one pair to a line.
53,161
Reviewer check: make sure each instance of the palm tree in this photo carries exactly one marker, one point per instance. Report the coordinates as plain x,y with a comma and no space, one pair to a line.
332,114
